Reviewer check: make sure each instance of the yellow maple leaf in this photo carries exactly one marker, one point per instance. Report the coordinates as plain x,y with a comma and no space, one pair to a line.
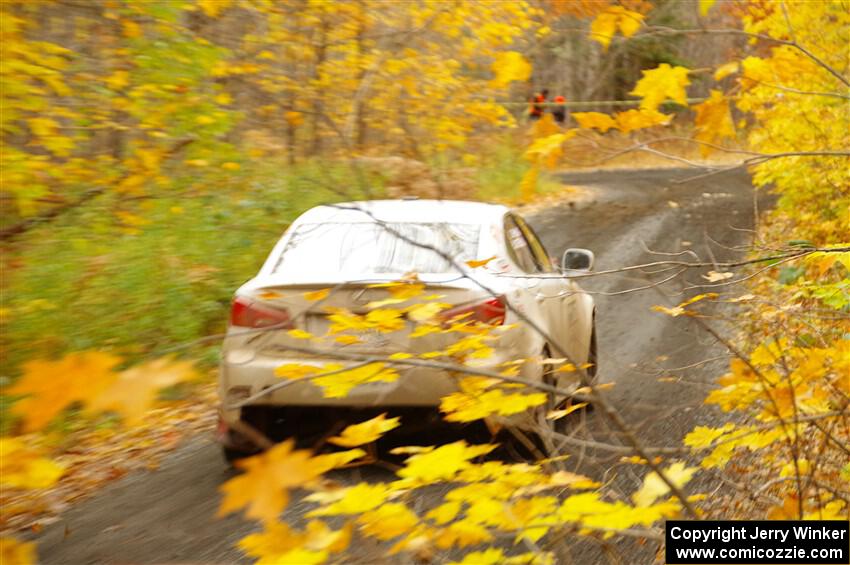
52,386
792,468
769,352
605,25
427,311
425,329
594,120
360,498
510,66
705,6
316,295
135,390
386,319
713,121
15,552
546,151
703,436
557,414
389,520
725,70
340,384
544,127
631,120
347,339
402,290
474,264
490,556
442,463
680,309
276,539
321,537
263,488
365,432
662,83
464,407
462,534
653,487
444,512
301,370
338,458
22,466
299,334
342,320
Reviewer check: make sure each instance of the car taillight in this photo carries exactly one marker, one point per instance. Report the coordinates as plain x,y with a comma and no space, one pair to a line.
246,313
490,311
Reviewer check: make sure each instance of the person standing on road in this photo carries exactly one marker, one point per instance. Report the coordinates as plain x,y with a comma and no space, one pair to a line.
559,112
536,108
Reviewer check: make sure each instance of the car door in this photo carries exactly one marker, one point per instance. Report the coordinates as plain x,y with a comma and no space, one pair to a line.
543,288
556,294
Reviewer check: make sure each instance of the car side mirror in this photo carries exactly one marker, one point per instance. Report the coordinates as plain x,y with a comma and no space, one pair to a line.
576,259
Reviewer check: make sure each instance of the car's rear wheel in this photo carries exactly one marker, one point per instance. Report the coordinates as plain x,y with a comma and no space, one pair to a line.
549,378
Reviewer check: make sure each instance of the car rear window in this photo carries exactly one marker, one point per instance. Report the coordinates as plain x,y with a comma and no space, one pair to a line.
332,249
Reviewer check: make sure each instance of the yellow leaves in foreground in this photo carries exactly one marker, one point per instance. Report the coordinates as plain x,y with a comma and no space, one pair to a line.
316,295
725,70
680,310
662,83
365,432
263,489
509,66
625,122
335,379
23,467
589,510
14,552
545,151
52,386
382,320
654,487
605,25
360,498
135,390
442,463
89,378
278,544
471,405
474,264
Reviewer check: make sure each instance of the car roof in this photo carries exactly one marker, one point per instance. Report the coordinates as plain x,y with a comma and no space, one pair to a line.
404,211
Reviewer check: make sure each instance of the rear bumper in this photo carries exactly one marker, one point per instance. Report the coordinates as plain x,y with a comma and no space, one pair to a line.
422,387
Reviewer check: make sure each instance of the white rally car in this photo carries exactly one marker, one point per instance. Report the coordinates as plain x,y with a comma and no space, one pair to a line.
349,248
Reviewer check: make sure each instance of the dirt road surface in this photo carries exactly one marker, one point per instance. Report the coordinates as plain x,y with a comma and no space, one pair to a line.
626,218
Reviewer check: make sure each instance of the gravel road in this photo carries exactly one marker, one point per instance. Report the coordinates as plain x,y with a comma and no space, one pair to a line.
625,217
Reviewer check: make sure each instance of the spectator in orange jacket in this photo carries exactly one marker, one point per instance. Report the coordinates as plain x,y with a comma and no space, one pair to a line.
560,112
536,108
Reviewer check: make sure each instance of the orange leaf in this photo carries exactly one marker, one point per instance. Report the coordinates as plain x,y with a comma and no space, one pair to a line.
135,390
52,386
